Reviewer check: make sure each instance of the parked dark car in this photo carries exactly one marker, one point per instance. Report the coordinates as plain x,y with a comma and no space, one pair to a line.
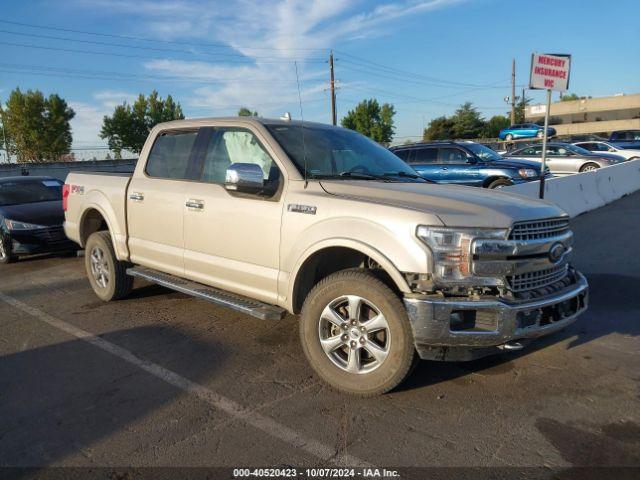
626,139
31,217
466,163
525,130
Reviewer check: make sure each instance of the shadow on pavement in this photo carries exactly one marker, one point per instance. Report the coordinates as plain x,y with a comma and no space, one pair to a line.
59,400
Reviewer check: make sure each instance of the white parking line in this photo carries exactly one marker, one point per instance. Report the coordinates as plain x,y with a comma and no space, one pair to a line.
231,408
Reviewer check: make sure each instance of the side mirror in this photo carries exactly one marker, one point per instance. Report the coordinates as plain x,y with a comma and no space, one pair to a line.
472,160
244,178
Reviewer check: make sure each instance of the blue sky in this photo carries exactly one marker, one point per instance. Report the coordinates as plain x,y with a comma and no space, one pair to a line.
425,57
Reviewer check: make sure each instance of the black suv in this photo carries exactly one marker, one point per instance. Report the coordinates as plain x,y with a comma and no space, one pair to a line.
466,163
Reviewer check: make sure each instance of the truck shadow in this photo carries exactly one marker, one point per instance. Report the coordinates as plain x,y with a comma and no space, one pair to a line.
614,307
58,401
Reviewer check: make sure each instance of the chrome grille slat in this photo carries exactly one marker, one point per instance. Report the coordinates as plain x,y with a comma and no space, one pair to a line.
538,229
539,279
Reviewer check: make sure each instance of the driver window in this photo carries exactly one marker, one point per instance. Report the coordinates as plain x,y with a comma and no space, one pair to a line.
227,146
451,155
234,145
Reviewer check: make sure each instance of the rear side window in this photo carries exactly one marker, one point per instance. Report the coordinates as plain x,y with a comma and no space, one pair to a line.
169,156
404,154
425,155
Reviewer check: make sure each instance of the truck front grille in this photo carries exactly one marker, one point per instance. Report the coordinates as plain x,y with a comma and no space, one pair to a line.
539,279
539,229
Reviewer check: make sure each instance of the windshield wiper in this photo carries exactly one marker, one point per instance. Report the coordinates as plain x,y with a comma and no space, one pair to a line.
364,176
407,175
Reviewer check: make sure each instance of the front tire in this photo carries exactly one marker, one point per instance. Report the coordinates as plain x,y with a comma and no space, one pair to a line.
107,275
589,167
6,254
499,183
356,334
509,137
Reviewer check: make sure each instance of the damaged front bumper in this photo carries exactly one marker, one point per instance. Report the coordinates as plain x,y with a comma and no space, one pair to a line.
458,329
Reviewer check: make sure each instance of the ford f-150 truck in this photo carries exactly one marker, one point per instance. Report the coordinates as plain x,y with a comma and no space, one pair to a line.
384,267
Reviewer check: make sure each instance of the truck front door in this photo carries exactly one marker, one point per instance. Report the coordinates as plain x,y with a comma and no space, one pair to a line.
232,239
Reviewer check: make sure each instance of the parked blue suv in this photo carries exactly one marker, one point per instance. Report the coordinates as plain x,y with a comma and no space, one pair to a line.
466,163
524,130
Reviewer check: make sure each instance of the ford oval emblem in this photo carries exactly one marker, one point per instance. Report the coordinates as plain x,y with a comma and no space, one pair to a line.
556,252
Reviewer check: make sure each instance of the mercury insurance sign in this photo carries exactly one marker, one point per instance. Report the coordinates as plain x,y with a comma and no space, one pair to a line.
550,72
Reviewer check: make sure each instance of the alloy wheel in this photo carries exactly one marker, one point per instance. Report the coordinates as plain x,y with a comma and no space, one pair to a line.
354,334
99,267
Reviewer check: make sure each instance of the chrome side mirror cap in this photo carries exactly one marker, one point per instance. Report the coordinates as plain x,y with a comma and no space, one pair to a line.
244,177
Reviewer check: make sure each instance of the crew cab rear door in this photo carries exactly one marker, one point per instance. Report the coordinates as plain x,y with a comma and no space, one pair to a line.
232,239
155,203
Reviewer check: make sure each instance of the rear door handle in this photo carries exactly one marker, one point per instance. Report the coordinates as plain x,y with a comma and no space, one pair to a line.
138,197
195,204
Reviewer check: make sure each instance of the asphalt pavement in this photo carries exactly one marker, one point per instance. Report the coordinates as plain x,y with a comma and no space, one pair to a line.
161,379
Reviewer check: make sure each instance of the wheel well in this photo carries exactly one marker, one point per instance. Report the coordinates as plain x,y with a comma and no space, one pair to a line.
331,260
92,222
490,180
588,164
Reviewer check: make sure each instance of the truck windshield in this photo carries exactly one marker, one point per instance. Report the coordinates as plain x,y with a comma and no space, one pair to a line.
339,153
485,153
15,192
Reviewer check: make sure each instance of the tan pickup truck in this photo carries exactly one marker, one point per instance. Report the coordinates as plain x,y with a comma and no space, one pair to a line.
272,216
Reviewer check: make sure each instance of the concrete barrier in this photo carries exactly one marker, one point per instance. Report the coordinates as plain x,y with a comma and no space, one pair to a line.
583,192
60,170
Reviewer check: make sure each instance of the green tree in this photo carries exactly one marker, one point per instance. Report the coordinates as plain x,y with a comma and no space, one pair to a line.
440,128
493,126
129,126
467,122
372,120
36,128
245,112
519,110
569,97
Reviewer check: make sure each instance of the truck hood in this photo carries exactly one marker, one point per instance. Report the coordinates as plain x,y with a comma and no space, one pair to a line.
456,206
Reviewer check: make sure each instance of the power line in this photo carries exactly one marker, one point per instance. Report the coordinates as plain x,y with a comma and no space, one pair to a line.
113,54
138,47
397,71
46,70
148,39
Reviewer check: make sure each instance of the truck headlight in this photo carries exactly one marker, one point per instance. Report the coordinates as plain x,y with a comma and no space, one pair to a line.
451,249
528,173
14,225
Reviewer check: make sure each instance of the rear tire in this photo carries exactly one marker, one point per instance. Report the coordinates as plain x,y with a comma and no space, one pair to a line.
6,254
356,334
499,183
540,134
107,275
589,167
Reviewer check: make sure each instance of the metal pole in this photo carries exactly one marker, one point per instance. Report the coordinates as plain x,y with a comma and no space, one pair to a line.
513,91
544,143
334,116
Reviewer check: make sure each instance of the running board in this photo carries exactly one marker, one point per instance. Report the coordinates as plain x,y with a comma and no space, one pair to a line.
242,304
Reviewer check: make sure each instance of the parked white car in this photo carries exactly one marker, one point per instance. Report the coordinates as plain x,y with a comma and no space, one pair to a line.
597,147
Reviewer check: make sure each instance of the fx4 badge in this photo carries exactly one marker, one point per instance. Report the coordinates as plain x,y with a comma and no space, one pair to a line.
295,207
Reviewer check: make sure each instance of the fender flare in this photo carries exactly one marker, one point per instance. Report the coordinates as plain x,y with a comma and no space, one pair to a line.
361,247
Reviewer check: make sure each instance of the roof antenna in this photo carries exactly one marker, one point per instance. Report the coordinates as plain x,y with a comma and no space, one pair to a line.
304,147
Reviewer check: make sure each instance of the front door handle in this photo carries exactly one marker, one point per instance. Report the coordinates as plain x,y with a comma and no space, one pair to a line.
196,204
138,197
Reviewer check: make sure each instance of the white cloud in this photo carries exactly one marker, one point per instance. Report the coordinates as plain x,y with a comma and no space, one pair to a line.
269,34
86,124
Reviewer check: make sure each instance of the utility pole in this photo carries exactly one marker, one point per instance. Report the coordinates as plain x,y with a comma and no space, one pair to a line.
513,91
334,116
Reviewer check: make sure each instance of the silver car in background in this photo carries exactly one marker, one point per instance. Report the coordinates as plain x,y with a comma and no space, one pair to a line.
566,159
608,147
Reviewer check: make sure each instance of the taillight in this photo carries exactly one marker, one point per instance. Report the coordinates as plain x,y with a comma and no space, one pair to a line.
65,196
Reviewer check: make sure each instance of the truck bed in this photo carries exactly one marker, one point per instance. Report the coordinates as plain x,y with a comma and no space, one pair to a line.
102,194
